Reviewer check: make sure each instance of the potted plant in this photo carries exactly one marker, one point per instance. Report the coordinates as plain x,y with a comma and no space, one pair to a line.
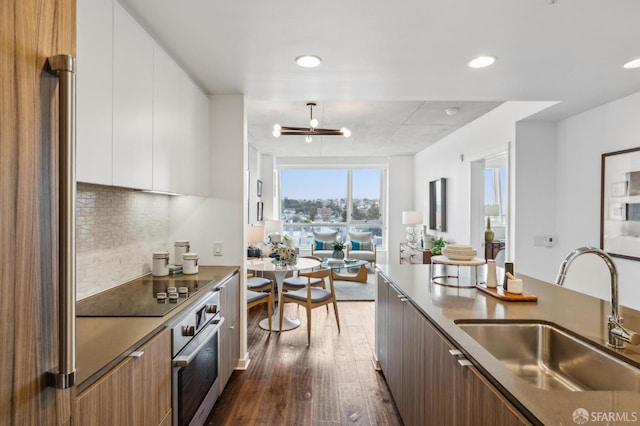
437,244
337,247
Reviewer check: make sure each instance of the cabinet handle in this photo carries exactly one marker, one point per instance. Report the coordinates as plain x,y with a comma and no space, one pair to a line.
136,354
455,352
403,299
464,362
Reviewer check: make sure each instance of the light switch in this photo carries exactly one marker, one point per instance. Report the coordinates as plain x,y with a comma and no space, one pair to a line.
217,248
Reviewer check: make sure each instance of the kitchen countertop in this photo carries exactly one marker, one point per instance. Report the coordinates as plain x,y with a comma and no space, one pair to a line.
577,312
102,342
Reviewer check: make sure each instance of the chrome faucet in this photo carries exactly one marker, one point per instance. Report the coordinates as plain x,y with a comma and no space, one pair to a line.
617,333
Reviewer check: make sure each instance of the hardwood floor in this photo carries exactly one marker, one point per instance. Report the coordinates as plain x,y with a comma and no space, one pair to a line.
332,382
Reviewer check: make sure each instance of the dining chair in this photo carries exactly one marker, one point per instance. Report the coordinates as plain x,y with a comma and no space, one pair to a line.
259,284
255,298
312,297
299,279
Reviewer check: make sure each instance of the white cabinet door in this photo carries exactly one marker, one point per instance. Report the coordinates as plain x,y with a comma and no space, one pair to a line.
132,103
94,95
167,77
190,172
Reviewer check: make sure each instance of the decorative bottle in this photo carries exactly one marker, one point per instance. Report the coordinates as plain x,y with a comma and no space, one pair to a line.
488,233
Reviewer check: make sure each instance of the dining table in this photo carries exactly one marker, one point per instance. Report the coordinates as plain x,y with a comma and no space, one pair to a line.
279,273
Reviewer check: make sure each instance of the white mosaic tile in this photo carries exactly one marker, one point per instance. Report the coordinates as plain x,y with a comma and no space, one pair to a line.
117,231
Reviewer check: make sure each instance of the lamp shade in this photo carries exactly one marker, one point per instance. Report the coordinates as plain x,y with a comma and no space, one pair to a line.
255,234
411,218
492,210
271,226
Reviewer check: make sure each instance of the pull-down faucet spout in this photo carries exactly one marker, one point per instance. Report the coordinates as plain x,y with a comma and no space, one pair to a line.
617,333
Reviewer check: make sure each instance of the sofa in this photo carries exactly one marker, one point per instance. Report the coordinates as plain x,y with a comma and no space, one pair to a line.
321,246
360,245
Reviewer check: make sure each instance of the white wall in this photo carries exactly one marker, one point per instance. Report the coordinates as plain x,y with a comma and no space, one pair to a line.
400,196
222,216
581,140
486,136
535,203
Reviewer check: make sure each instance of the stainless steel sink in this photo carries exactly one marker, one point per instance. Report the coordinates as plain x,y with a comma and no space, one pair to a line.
551,358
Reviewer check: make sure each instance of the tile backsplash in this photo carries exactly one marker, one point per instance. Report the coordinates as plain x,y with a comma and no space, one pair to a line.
117,231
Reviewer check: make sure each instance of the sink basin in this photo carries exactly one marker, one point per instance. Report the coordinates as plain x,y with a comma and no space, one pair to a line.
552,359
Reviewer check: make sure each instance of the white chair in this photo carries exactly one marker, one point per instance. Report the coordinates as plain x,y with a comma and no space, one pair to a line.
360,245
321,246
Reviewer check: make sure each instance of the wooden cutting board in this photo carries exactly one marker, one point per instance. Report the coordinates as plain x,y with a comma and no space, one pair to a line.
500,293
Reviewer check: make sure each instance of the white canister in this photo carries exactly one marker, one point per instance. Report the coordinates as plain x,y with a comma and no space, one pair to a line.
180,248
160,266
492,277
190,263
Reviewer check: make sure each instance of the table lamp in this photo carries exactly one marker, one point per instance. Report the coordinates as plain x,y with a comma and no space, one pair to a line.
411,219
255,237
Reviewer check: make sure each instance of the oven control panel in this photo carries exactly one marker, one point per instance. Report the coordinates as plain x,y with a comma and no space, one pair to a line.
189,323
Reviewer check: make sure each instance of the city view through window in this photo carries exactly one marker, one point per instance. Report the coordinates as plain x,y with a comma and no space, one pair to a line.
330,200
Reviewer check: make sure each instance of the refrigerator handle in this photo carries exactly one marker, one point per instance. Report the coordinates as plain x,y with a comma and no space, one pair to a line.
64,66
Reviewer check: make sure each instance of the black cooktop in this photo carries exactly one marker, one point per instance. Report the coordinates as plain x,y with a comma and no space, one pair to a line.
138,298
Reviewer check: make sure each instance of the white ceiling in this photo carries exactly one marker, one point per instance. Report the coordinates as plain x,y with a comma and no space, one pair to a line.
390,68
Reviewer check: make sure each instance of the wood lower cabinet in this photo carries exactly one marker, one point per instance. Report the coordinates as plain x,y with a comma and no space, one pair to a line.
428,384
409,254
230,331
136,392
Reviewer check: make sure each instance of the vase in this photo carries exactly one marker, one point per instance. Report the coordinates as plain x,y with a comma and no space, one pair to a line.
488,233
338,254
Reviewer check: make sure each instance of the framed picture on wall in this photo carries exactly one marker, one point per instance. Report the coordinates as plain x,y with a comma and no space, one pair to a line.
259,189
438,205
620,204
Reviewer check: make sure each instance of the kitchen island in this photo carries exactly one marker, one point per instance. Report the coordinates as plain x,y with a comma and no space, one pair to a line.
493,386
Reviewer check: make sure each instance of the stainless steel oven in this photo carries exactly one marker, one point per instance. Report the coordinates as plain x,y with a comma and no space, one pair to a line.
196,354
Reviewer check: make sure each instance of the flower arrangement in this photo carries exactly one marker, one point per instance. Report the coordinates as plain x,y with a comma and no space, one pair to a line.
337,245
283,255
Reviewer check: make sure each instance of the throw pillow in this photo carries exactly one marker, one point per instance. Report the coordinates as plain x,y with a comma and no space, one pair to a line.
360,245
322,245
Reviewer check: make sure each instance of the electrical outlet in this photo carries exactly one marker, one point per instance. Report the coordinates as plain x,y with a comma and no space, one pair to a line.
549,241
217,248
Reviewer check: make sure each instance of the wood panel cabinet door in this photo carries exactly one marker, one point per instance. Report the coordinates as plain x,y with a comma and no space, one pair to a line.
382,323
31,31
393,374
230,331
477,399
414,366
152,380
136,392
132,102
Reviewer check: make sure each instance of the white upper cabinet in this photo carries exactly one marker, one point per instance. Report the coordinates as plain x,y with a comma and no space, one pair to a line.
167,79
132,102
94,95
142,122
190,172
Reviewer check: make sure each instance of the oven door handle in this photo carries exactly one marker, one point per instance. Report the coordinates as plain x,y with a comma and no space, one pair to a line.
203,337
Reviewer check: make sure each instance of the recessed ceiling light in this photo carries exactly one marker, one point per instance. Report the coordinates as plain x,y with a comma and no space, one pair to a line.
308,61
481,61
632,64
451,111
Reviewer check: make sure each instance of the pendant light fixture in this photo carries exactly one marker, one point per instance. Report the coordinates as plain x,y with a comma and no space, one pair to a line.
310,131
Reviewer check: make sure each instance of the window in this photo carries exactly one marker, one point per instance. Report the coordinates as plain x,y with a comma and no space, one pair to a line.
495,193
323,199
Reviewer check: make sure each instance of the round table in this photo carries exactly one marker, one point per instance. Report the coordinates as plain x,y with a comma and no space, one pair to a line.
279,272
444,260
